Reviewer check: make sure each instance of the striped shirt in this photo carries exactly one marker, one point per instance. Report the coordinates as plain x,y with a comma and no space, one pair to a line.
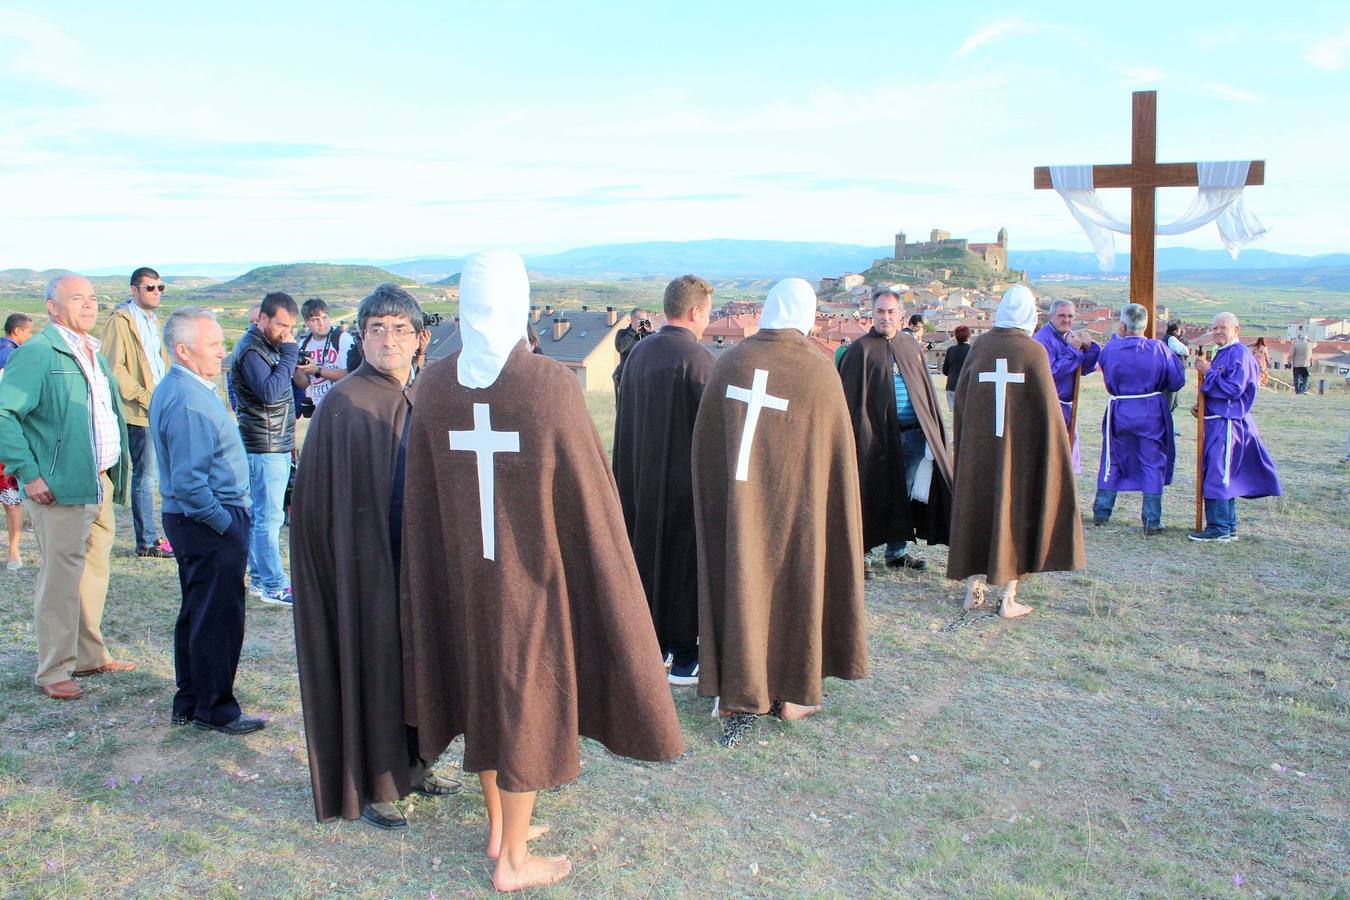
104,434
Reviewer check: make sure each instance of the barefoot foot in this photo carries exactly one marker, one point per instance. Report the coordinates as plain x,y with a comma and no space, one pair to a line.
494,849
535,871
1011,609
794,711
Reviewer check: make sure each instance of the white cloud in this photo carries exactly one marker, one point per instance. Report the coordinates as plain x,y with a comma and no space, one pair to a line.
1228,92
992,32
42,50
1143,76
1329,54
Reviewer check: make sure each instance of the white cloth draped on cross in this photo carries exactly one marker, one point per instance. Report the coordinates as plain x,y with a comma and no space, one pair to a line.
1219,199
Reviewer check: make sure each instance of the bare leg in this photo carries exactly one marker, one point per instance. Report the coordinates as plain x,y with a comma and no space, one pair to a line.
794,711
1009,608
518,868
975,588
492,798
14,522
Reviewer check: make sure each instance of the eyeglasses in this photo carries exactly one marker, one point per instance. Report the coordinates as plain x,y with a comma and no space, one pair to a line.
398,331
151,287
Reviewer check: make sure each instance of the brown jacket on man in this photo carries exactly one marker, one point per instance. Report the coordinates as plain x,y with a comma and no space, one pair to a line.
125,353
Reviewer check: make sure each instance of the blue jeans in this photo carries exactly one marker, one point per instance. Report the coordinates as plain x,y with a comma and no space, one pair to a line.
912,445
143,482
1222,515
267,477
1151,515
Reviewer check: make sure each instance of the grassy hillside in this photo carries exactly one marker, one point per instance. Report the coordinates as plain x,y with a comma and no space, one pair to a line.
307,279
1262,308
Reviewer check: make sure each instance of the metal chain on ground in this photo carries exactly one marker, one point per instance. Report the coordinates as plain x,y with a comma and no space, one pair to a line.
965,620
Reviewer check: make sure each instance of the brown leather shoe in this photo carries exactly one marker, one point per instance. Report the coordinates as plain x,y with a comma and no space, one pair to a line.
108,668
62,690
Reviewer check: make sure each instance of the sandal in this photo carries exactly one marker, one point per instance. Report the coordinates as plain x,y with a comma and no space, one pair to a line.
736,728
437,786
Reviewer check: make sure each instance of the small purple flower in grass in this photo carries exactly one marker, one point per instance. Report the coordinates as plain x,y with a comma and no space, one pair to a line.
112,783
53,865
431,895
135,779
290,748
1238,880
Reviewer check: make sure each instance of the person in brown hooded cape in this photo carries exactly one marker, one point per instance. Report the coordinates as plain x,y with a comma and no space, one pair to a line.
897,450
1014,509
345,538
524,621
779,523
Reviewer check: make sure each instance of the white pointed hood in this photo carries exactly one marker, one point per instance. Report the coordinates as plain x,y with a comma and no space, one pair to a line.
791,304
494,307
1017,309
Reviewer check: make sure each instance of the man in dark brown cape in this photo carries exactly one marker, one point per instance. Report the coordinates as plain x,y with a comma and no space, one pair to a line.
899,434
345,532
524,623
779,524
1014,509
662,384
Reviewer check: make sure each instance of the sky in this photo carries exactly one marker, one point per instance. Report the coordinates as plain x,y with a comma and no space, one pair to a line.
173,133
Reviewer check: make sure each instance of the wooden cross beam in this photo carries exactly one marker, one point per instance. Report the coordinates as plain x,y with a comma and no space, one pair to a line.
1143,175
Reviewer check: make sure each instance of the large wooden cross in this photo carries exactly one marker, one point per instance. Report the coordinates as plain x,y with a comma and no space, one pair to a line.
1143,175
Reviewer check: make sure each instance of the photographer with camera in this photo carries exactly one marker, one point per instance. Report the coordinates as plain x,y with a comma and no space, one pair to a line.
323,357
638,327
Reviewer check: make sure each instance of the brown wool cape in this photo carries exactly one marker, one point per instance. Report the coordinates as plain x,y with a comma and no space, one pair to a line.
346,596
869,386
1014,509
779,554
663,382
551,639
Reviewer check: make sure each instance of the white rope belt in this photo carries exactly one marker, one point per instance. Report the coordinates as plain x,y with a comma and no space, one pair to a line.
1227,446
1110,405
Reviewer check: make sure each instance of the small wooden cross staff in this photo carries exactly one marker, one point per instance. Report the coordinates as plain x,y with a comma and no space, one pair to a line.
1143,175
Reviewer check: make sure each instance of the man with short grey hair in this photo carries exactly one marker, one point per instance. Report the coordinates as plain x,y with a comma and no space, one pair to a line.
203,478
1072,355
1138,444
1236,463
63,436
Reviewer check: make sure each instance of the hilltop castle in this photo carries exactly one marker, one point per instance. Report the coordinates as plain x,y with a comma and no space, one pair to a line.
994,255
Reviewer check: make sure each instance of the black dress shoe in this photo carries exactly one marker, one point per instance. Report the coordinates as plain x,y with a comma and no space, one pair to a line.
1149,532
907,562
241,725
179,719
387,818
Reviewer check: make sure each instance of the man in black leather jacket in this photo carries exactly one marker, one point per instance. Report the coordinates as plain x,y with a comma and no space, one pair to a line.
264,364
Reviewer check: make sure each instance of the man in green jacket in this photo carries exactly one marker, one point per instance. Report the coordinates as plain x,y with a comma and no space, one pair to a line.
62,434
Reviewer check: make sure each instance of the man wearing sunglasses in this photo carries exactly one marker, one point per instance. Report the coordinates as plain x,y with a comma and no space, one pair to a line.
134,348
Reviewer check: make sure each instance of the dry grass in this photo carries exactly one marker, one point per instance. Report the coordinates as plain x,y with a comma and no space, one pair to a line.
1172,721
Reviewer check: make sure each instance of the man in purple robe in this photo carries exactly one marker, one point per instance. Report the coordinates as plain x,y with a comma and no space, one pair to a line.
1236,462
1138,447
1071,354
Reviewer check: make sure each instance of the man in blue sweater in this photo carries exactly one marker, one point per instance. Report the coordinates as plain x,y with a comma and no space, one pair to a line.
203,478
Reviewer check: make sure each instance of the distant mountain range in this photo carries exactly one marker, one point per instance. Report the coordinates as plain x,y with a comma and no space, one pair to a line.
747,259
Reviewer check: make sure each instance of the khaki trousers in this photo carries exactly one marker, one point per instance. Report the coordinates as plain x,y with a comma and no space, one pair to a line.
72,584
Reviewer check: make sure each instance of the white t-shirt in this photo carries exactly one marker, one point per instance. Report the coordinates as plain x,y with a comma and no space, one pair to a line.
329,355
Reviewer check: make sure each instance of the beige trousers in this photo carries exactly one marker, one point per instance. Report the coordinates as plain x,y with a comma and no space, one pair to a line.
72,584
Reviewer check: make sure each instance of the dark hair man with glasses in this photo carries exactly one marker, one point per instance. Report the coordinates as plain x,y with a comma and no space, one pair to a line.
134,348
362,758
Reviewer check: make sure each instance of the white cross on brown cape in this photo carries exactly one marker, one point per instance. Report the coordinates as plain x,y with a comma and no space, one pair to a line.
756,398
485,442
1001,378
